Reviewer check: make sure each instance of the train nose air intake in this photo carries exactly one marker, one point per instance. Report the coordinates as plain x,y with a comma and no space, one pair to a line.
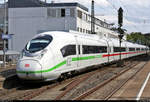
29,69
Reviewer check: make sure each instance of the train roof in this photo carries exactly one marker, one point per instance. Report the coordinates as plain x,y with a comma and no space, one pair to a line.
70,35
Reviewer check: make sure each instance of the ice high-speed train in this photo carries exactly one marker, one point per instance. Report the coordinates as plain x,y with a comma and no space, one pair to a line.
50,55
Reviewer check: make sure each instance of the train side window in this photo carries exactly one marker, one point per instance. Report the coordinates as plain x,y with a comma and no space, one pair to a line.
85,49
142,49
68,50
117,49
94,49
123,49
103,49
131,49
137,49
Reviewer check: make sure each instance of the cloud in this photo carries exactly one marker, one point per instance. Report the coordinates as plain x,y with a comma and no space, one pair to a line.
103,3
130,26
139,3
114,19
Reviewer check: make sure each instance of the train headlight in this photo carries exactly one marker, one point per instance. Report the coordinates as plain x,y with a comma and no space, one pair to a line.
42,53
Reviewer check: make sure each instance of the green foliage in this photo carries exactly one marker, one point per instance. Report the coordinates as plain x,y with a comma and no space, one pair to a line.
138,37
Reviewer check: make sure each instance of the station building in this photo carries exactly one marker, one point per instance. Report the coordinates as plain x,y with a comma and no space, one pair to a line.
30,17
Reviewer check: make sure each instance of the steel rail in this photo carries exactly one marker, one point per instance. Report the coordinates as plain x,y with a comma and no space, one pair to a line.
112,93
90,91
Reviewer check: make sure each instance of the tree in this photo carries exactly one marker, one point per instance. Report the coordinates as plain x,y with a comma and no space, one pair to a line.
138,37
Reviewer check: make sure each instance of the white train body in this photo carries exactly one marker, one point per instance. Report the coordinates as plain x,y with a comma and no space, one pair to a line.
50,54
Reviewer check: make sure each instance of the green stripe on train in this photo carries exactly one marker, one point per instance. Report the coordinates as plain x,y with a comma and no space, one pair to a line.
62,63
86,58
41,71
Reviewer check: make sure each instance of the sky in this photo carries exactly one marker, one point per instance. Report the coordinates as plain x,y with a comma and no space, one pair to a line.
136,14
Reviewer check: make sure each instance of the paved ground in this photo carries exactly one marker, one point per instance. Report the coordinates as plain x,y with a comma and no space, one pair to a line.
136,88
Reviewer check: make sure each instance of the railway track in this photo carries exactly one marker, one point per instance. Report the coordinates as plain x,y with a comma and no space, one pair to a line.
72,85
69,84
64,87
101,86
19,93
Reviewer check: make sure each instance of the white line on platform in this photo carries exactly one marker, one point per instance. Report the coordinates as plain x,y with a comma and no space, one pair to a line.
142,88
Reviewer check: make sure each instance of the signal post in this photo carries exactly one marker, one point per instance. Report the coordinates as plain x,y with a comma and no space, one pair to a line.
121,33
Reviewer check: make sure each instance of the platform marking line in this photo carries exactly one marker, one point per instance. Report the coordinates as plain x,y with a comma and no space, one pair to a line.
142,88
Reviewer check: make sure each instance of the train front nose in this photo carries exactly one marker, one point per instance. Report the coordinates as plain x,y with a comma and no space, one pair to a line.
29,70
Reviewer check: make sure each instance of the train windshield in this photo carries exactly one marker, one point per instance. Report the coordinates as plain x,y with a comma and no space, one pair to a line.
38,43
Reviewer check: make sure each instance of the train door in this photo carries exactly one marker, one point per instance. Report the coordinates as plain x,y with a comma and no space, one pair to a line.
108,51
78,51
126,55
112,57
72,59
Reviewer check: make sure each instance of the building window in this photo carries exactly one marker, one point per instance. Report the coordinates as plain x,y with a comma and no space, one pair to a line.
68,50
72,12
86,17
81,30
62,12
79,14
86,31
78,29
51,12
